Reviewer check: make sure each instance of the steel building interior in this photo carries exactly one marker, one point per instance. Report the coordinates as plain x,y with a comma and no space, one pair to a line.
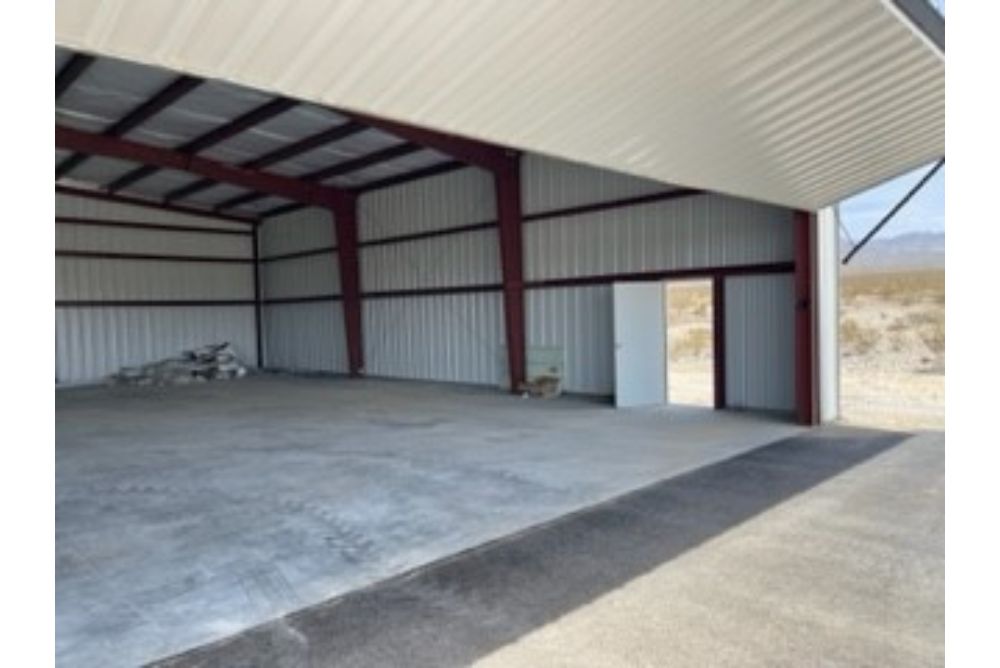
395,261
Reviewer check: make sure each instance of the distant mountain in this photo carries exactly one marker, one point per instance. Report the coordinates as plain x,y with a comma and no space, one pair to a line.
912,250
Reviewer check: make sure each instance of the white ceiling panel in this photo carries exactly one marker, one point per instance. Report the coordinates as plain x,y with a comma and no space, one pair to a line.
770,100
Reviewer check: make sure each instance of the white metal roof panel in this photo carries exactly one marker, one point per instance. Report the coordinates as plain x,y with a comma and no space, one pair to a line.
106,91
161,182
100,170
211,104
355,146
216,194
401,165
259,206
801,103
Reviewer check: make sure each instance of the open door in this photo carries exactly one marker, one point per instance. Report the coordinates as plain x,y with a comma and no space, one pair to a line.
640,356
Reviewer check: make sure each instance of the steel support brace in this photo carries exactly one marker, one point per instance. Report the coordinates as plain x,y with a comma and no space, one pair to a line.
719,339
345,217
805,362
507,182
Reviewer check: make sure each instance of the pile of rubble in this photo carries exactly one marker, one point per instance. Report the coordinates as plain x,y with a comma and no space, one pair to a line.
212,362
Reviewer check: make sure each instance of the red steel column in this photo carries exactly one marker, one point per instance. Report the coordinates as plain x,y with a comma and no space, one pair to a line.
719,338
345,215
805,367
507,182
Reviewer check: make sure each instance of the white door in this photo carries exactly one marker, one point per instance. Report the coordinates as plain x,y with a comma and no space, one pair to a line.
640,344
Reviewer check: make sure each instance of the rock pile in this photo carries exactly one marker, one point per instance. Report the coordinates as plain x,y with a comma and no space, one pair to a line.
212,362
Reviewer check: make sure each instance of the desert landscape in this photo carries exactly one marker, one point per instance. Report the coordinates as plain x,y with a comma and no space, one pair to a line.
892,338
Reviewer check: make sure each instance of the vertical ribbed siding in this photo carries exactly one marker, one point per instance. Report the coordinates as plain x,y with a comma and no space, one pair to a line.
469,258
128,240
92,342
579,321
300,277
305,337
456,338
88,207
112,279
297,231
760,342
697,231
438,202
302,336
549,183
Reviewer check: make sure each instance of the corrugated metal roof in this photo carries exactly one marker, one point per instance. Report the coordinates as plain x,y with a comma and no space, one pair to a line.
800,103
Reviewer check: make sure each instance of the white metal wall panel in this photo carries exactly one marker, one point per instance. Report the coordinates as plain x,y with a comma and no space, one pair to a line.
305,229
698,231
578,320
828,312
89,207
129,240
104,279
549,183
456,338
300,277
305,337
469,258
301,336
438,202
760,342
94,342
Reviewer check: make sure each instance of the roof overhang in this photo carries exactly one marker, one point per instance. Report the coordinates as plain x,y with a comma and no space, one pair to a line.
800,103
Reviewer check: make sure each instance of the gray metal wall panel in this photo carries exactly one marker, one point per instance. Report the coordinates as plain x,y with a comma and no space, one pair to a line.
305,229
578,320
305,337
94,342
106,279
700,231
455,338
299,277
469,258
437,202
548,183
128,240
760,342
88,207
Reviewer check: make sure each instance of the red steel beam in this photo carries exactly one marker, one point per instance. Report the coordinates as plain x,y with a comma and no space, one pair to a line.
215,136
164,158
345,216
346,167
507,184
305,145
805,365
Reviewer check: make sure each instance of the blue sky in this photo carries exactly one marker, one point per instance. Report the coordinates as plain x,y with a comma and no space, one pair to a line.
923,213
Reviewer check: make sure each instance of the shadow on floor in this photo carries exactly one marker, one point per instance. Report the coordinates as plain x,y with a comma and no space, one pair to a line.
455,610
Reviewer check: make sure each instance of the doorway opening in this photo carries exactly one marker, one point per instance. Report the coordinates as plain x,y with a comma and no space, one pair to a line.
690,342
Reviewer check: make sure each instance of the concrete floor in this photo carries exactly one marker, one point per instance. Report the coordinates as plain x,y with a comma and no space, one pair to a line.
826,549
185,515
